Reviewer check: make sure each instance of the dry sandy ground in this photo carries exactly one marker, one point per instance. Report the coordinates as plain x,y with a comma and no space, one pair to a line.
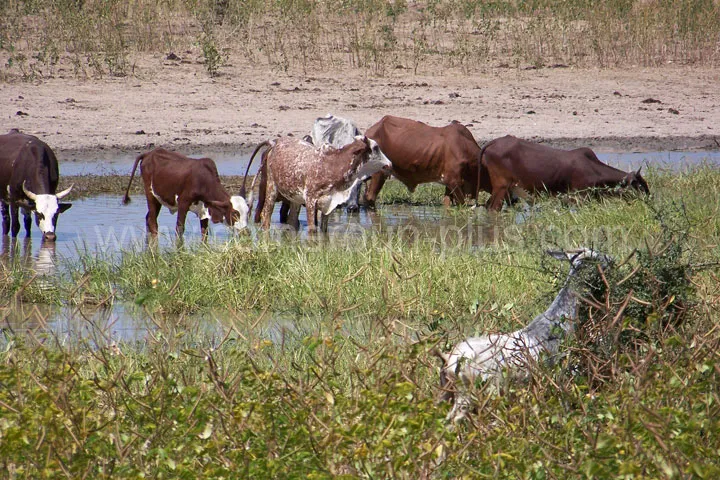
176,104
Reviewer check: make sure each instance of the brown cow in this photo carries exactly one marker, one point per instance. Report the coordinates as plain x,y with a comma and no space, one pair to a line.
319,178
184,184
28,180
420,154
511,163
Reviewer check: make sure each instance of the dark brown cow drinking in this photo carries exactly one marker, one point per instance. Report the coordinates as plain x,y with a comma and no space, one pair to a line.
512,163
183,185
28,180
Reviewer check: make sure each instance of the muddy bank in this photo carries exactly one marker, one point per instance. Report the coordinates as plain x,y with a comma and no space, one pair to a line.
634,109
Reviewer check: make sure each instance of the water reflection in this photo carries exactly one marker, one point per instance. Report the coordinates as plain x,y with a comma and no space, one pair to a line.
116,325
19,251
101,325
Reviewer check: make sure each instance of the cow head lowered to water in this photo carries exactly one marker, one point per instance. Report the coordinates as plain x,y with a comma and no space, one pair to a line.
28,180
183,185
512,163
47,208
635,181
319,178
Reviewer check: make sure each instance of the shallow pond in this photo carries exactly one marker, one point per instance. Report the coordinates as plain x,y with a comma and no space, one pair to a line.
101,225
235,163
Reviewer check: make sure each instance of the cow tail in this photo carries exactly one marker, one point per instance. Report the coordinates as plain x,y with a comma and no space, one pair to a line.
126,198
252,157
262,186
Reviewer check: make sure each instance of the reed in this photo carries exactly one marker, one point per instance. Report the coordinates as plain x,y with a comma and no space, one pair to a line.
107,37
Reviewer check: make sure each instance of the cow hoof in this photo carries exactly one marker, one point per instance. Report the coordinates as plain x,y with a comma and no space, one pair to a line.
353,209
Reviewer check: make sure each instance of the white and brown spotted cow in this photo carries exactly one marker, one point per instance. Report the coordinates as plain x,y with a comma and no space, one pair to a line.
319,178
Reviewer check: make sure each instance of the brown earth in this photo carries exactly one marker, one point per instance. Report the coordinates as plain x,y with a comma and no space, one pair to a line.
176,104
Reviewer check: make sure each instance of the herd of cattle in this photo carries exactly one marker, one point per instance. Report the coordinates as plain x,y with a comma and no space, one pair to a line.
321,171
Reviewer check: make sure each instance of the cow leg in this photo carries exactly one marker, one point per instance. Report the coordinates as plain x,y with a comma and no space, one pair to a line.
204,227
271,194
447,198
262,187
154,207
353,202
500,181
324,222
454,195
14,220
311,208
27,220
260,206
284,211
183,207
5,218
374,186
293,217
498,196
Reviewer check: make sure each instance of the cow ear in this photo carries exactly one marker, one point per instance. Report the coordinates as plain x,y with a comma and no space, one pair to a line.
365,145
63,206
217,210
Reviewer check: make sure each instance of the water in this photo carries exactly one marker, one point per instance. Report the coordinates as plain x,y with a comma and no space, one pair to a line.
101,325
675,161
102,226
234,162
229,162
110,325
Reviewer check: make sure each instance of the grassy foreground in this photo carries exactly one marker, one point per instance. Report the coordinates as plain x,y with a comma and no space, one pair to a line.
346,386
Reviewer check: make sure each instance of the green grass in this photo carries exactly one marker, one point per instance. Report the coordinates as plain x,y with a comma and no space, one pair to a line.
320,364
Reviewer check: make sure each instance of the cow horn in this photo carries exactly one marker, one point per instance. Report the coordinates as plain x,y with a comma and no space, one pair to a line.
638,170
28,193
64,192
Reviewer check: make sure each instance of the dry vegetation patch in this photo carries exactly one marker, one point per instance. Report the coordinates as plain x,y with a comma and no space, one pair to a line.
102,38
